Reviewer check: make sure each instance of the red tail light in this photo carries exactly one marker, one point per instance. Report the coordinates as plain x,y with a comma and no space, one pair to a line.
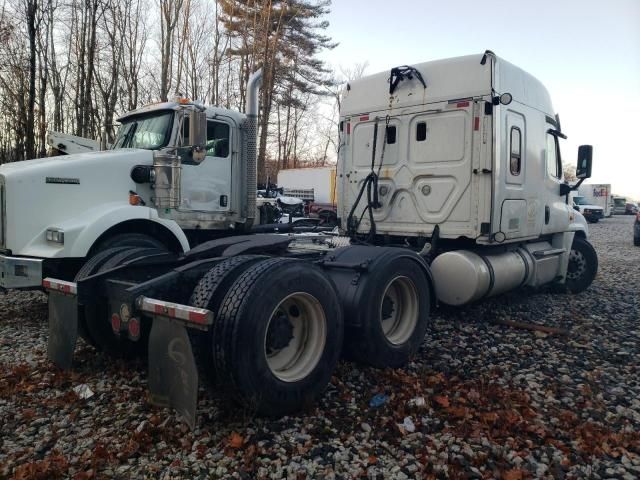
134,328
638,217
116,323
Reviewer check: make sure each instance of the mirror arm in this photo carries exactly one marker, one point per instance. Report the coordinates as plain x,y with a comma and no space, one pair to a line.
565,188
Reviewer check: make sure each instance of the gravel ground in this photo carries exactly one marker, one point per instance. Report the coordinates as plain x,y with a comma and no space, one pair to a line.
481,400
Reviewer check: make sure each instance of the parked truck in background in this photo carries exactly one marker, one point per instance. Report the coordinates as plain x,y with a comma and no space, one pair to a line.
619,205
598,194
65,144
592,213
449,189
322,180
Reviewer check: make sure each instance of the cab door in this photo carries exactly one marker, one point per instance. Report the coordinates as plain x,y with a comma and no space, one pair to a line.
556,212
206,187
514,221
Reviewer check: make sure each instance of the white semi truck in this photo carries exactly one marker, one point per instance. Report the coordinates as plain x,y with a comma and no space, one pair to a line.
450,189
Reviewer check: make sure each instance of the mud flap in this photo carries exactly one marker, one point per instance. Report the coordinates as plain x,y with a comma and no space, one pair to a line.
63,328
173,377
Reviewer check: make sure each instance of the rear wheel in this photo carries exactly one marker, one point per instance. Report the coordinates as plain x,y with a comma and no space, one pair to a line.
395,307
209,293
582,267
278,336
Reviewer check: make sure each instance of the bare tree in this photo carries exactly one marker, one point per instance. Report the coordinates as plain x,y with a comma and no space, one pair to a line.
169,16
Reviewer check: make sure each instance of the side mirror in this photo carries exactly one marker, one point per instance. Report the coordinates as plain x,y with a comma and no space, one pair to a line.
198,134
576,207
585,154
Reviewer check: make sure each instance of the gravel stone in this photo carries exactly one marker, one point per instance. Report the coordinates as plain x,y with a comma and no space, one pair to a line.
483,399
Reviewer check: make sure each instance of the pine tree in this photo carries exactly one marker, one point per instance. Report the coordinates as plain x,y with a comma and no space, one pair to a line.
283,37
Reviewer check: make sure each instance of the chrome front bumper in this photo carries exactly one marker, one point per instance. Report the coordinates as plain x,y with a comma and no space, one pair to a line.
20,272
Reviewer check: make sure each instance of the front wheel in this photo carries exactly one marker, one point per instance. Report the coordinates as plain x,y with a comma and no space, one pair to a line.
583,266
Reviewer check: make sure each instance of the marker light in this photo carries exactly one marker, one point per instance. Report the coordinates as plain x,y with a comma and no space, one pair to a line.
54,235
134,199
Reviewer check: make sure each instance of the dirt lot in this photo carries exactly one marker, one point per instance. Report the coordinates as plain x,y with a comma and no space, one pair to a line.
481,400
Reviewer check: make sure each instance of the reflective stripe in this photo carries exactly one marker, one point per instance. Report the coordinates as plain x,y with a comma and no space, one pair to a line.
69,288
198,316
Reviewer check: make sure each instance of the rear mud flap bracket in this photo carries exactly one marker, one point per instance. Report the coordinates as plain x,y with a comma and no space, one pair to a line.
173,376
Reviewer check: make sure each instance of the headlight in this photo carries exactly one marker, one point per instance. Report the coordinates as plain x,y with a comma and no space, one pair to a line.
55,235
586,210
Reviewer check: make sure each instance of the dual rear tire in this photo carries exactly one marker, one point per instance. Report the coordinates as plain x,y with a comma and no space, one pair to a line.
278,327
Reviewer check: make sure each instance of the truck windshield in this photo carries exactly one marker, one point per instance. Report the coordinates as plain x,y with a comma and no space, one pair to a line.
619,202
580,201
150,132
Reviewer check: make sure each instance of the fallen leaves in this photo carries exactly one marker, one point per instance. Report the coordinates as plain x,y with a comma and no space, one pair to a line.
235,440
514,474
51,467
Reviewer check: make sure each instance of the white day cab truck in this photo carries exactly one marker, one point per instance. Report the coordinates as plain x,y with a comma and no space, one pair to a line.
450,190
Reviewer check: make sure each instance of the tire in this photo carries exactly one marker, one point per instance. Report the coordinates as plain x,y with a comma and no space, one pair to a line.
209,293
395,312
130,240
89,268
278,336
98,321
583,266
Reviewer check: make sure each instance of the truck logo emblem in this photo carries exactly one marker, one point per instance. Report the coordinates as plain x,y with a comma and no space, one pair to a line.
63,180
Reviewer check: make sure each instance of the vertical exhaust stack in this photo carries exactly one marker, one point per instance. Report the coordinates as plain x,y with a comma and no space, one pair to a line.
251,130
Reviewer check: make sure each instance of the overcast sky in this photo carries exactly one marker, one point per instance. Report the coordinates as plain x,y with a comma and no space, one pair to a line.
586,52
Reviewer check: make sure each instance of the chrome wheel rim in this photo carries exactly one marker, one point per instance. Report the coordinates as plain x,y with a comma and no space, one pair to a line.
577,265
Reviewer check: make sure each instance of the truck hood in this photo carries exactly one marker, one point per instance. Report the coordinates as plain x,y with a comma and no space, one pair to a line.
78,161
52,192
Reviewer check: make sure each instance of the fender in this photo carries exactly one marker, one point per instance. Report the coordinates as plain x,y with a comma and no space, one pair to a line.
578,225
81,232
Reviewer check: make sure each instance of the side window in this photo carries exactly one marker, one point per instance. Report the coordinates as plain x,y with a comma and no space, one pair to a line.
553,167
421,131
516,151
217,139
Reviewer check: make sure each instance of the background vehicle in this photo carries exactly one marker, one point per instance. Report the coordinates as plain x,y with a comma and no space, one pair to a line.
455,194
619,205
65,144
592,213
597,194
630,208
322,181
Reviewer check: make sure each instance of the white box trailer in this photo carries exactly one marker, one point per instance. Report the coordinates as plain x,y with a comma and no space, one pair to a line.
598,194
321,179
